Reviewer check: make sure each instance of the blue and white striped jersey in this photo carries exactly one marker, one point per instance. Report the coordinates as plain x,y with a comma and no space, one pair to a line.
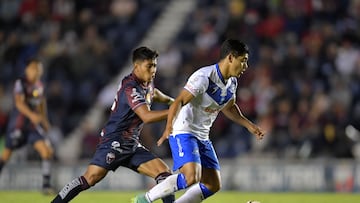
211,93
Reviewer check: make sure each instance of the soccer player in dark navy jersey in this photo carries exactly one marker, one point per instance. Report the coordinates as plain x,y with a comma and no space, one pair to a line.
28,120
119,140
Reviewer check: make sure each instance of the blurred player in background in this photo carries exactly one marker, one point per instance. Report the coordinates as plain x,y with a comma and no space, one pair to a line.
29,122
119,139
208,91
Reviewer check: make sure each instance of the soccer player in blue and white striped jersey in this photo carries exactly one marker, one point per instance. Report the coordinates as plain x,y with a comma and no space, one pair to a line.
208,91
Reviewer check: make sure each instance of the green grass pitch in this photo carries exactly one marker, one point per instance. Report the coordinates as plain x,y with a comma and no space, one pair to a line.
221,197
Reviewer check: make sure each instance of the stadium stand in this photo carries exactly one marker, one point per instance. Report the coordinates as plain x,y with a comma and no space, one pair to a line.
302,85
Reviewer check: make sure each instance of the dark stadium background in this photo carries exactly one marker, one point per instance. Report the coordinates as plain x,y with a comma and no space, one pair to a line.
302,87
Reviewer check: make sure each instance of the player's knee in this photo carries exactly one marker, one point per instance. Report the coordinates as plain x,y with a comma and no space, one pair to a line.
192,178
215,187
46,154
4,160
162,176
92,178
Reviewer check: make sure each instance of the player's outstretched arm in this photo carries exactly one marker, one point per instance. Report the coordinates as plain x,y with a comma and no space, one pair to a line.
161,97
43,109
149,116
232,111
23,108
183,98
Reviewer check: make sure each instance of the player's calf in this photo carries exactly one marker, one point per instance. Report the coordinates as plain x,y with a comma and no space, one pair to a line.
160,178
71,190
195,194
167,187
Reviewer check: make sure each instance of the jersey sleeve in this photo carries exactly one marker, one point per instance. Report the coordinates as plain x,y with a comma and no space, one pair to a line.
19,87
134,96
197,84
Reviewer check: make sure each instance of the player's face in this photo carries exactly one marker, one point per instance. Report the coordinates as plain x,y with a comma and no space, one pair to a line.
239,65
34,71
147,68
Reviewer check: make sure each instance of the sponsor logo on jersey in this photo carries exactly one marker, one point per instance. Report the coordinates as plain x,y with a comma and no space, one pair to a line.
115,145
110,157
136,95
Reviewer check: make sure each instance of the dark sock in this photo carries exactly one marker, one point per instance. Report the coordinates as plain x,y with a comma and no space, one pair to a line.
46,168
46,181
2,163
71,189
162,176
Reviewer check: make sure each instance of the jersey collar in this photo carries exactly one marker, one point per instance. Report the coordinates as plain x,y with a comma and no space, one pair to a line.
139,81
219,74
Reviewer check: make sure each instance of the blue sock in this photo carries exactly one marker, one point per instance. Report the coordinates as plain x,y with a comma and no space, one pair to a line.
206,192
181,181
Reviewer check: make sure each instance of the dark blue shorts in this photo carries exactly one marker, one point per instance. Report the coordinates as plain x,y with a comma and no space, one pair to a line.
18,138
112,154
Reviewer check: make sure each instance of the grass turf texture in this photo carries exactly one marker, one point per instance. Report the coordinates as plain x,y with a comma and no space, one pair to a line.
221,197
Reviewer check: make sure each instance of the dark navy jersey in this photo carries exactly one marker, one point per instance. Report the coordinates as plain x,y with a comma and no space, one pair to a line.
34,94
124,124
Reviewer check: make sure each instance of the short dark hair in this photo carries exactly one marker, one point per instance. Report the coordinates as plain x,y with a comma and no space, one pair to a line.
234,47
144,53
31,60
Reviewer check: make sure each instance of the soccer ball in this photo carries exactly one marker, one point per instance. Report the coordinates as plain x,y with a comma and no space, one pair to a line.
252,202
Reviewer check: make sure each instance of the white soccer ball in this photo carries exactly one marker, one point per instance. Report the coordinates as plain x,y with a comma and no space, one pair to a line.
252,202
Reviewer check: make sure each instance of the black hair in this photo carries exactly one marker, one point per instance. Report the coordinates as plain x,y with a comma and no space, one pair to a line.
144,53
234,47
32,60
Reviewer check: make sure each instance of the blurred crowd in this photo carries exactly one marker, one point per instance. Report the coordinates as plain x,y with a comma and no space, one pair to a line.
82,44
302,86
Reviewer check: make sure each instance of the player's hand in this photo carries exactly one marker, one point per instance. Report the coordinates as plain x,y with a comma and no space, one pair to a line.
46,125
164,137
257,131
35,118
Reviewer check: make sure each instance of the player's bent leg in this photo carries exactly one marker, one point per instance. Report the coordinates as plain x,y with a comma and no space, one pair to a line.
209,185
153,168
157,169
192,172
192,195
92,175
6,154
5,157
211,179
168,186
45,153
174,182
44,150
160,178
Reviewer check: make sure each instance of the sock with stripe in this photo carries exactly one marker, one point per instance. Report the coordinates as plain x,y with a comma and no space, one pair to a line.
71,190
168,186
